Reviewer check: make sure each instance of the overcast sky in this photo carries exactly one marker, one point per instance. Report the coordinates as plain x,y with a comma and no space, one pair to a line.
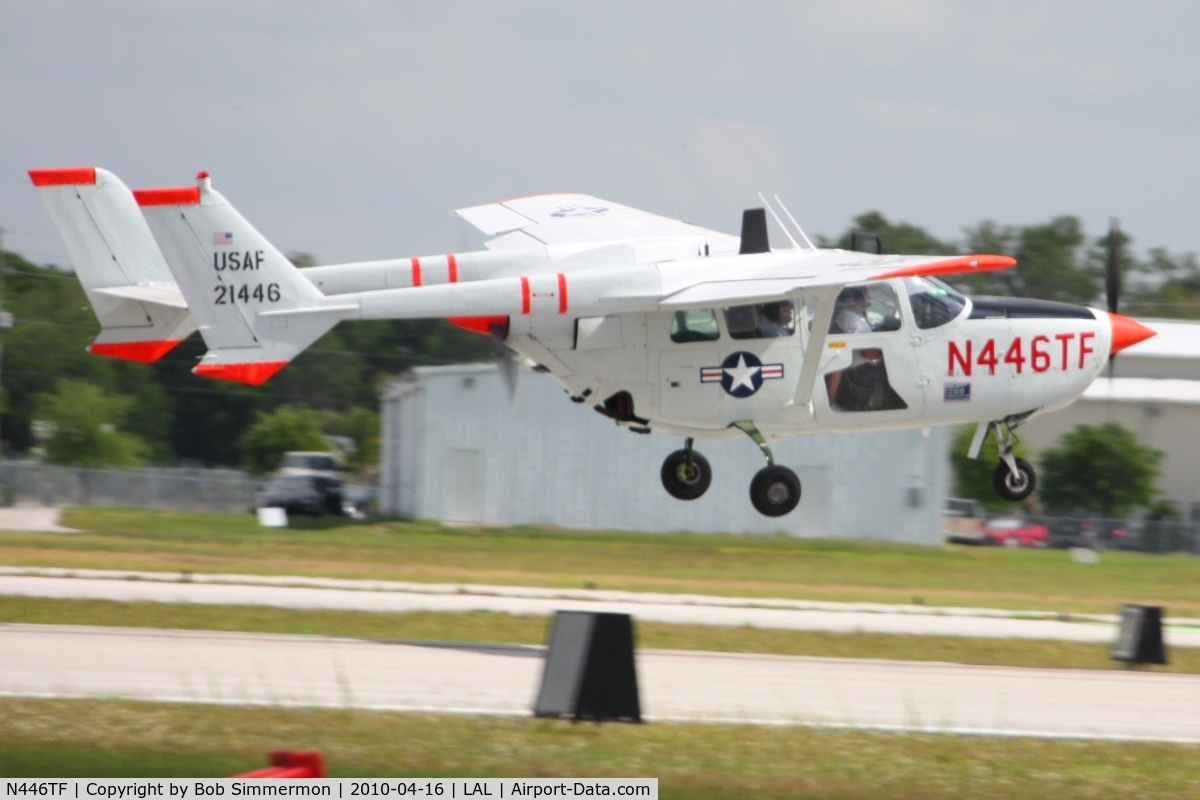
352,130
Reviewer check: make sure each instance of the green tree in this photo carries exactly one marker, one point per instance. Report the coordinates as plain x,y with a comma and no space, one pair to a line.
84,420
282,430
361,425
1102,468
973,477
897,237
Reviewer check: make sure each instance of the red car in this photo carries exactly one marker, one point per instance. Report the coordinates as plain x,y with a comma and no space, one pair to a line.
1015,532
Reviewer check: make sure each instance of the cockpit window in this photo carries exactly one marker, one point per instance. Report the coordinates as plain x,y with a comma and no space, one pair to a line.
933,302
866,308
761,321
695,325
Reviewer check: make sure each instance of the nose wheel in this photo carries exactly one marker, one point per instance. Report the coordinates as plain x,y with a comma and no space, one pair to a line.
686,474
1014,478
1016,482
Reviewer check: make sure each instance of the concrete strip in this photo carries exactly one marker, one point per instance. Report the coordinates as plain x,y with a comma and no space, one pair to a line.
262,669
36,519
395,601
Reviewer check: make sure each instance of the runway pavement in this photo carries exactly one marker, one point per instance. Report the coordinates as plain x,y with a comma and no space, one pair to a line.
266,669
303,592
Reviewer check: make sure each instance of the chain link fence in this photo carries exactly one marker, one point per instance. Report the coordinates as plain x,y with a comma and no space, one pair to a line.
168,488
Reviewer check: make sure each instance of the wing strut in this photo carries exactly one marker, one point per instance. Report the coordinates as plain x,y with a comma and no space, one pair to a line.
816,344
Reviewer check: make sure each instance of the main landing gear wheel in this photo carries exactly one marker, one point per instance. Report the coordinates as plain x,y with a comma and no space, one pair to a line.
775,491
686,474
1014,487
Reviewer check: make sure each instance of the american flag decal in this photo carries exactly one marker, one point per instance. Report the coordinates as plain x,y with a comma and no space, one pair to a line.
224,237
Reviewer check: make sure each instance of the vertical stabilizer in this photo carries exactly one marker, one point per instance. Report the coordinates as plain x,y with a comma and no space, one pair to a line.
232,279
117,261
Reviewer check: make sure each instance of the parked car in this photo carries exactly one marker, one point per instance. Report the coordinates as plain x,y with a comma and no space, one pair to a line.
962,521
1076,531
1015,531
302,494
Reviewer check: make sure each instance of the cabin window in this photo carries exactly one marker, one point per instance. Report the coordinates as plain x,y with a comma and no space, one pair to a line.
761,321
863,386
695,325
933,302
866,308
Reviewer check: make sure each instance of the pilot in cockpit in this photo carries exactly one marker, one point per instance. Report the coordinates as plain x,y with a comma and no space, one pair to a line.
851,314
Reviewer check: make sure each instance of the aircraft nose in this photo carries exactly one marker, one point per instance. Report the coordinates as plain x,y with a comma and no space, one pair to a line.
1127,332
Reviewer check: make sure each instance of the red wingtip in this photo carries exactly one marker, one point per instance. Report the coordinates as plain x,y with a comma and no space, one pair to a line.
1127,332
252,373
64,176
952,266
142,352
168,196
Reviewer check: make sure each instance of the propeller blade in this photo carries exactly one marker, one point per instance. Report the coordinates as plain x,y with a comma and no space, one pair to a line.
1112,267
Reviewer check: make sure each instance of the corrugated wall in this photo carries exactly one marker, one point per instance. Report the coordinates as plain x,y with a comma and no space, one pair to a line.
456,448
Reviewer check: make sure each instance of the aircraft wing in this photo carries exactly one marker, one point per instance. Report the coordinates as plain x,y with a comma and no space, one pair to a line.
786,273
575,218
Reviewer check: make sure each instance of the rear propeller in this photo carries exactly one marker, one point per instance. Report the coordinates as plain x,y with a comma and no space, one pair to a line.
1112,266
1112,275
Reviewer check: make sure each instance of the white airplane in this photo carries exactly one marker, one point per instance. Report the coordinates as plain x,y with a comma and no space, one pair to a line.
661,325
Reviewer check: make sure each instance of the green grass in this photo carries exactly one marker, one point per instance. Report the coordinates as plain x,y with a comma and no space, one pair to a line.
487,626
763,566
94,738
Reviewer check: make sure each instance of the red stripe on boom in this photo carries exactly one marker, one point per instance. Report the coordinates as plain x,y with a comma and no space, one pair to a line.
64,176
252,373
141,352
525,298
562,293
168,196
452,262
416,266
485,325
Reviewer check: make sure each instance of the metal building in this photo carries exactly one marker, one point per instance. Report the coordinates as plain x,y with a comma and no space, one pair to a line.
457,449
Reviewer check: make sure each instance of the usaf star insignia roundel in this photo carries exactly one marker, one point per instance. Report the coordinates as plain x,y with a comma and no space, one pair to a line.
741,374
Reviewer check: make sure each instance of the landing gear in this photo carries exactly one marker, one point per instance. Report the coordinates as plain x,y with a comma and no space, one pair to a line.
775,490
1014,483
1014,478
686,474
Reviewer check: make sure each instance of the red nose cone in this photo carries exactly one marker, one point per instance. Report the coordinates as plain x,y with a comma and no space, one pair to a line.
1127,333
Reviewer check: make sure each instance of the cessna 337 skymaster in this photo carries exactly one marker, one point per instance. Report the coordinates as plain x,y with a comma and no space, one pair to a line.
661,325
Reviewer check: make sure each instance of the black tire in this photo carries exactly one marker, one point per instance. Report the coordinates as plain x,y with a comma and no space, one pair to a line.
775,491
1014,488
683,482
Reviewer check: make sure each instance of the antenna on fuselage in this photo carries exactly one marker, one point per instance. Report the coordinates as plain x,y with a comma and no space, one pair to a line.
799,230
778,220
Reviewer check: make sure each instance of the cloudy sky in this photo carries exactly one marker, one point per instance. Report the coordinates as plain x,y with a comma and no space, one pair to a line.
351,130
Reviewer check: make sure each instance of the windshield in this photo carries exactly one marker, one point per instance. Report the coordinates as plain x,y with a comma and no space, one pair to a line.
933,302
1005,524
